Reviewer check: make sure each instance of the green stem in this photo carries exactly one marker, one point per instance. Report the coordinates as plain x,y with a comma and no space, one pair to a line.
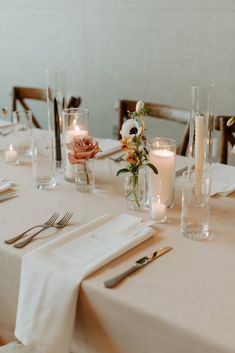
86,172
135,189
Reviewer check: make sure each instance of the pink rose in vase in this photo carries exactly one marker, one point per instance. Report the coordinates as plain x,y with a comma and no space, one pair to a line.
82,149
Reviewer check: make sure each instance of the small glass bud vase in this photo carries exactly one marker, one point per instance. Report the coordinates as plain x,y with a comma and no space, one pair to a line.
135,190
84,176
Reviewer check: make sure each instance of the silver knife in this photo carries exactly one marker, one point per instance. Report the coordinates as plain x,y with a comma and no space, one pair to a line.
7,196
138,264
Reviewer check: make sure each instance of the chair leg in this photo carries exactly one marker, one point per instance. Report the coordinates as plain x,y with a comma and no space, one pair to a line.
223,142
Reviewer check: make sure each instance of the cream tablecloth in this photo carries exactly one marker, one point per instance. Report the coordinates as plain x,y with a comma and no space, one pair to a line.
183,302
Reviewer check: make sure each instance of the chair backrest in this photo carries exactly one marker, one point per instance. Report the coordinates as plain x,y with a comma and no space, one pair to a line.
20,94
227,135
159,111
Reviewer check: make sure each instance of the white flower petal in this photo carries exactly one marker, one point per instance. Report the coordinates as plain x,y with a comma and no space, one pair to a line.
139,106
131,128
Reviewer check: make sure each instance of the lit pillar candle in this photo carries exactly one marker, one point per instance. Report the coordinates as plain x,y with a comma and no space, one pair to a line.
199,154
70,134
10,155
163,182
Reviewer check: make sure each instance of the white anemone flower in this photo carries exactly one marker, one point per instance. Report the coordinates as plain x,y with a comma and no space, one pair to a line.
131,128
139,106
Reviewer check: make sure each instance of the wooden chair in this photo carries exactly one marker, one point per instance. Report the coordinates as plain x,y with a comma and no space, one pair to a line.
20,94
159,111
227,135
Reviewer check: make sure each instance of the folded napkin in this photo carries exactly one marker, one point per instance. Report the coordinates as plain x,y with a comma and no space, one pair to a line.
5,123
107,146
223,179
5,185
51,275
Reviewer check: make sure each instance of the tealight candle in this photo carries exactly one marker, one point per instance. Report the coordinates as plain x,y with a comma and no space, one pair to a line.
10,155
157,209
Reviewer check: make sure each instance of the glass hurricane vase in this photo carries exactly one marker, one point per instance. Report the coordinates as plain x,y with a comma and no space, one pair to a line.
84,176
135,190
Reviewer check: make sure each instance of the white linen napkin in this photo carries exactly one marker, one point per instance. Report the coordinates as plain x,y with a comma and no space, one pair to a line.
5,185
107,146
223,179
51,275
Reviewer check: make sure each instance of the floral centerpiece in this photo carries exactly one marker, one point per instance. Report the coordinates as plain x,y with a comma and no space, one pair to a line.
133,144
82,150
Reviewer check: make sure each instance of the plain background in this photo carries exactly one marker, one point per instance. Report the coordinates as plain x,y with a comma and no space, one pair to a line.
152,50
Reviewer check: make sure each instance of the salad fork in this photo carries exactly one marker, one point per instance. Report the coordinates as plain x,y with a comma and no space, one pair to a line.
62,223
50,221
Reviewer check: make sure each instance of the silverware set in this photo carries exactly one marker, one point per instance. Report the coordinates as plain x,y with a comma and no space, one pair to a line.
50,223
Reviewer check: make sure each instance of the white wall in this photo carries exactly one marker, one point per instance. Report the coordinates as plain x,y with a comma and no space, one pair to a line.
153,50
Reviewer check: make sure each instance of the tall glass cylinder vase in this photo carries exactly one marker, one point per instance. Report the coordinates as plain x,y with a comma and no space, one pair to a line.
197,182
75,123
56,102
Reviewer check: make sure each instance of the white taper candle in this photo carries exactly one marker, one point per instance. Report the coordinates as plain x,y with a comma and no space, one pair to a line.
199,152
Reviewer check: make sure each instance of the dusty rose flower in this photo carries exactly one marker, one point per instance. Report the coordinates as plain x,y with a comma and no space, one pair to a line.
81,149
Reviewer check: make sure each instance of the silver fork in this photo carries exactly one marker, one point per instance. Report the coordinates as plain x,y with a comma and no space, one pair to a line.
50,221
62,223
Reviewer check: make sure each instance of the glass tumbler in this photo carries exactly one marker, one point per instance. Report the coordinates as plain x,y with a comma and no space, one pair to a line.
195,210
23,132
43,160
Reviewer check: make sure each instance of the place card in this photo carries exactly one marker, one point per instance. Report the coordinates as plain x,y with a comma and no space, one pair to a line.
105,239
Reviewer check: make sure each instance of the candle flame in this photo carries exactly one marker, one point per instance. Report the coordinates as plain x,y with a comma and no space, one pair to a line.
77,128
11,147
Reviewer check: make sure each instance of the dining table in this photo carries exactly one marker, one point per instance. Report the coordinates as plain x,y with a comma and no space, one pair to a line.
182,302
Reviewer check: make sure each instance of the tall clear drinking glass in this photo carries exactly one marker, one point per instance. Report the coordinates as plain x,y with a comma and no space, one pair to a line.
23,131
43,160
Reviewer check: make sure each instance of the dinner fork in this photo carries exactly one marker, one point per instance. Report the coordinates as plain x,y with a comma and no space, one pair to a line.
50,221
62,223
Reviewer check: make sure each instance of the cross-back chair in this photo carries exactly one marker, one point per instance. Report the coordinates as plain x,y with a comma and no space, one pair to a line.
160,111
21,94
227,136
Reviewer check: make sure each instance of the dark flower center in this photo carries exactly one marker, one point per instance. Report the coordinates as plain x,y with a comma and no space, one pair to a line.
133,131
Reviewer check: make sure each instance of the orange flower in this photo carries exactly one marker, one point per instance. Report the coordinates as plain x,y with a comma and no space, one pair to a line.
132,158
125,143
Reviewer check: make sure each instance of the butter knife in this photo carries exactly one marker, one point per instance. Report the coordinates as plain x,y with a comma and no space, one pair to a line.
138,264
